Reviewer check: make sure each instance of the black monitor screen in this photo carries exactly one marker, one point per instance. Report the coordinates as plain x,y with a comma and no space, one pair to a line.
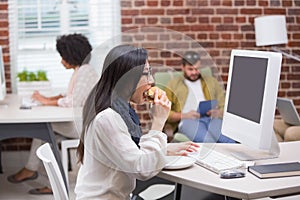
247,87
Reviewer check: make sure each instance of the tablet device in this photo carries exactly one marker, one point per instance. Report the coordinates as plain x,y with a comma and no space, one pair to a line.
205,106
288,111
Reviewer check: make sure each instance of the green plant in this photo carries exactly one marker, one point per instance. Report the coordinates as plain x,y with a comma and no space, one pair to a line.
26,76
42,75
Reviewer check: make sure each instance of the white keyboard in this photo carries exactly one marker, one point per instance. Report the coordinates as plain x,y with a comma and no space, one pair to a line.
216,161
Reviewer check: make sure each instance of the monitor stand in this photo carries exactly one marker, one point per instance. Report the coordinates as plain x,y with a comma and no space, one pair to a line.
249,154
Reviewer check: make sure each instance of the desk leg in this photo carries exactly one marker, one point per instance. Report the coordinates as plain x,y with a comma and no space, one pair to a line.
56,153
42,131
177,193
1,170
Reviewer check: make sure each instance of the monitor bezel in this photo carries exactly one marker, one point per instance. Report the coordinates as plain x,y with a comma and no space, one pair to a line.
252,134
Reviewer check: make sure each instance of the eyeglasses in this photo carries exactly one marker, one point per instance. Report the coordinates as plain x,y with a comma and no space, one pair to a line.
148,74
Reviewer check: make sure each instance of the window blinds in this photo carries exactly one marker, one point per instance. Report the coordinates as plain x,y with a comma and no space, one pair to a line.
35,25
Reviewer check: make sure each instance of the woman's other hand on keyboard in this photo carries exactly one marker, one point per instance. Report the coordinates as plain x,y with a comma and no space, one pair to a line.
181,149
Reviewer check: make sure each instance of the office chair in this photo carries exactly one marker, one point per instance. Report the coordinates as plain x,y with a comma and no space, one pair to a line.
65,156
58,186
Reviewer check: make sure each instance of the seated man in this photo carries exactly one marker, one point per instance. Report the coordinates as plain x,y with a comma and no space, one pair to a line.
286,132
185,93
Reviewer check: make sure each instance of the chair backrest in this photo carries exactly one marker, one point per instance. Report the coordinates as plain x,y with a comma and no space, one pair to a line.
45,153
162,78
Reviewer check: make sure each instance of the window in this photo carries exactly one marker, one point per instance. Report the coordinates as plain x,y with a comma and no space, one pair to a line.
35,24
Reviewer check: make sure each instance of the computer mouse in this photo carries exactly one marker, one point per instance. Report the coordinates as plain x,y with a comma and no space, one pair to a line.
232,174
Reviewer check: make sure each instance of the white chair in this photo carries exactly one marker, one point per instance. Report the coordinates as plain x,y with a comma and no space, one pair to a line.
157,191
59,188
65,145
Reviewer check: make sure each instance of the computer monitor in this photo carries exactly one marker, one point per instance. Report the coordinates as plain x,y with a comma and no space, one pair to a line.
250,102
2,77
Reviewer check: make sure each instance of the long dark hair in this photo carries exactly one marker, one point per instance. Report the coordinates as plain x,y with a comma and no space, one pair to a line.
122,70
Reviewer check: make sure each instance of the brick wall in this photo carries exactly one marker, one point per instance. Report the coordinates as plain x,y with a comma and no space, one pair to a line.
217,25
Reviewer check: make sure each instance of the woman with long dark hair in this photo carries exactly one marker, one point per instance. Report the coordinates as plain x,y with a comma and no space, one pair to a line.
113,152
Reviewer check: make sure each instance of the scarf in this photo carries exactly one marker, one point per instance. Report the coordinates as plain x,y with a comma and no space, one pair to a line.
130,117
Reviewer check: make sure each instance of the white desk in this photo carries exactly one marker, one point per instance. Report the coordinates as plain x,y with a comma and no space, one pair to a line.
249,187
32,123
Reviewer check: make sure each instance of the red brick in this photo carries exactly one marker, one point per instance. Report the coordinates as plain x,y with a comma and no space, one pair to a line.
178,20
173,62
215,2
165,54
126,20
178,11
204,20
202,28
226,36
139,3
164,37
177,45
227,28
239,2
191,19
3,33
202,36
152,3
177,3
202,11
139,20
129,12
252,2
240,19
228,20
165,3
152,20
4,6
214,36
152,12
250,36
227,11
227,3
263,3
251,11
214,53
293,93
285,85
287,3
180,28
126,4
216,20
165,20
227,44
248,44
207,44
247,27
275,11
139,37
152,37
238,36
275,3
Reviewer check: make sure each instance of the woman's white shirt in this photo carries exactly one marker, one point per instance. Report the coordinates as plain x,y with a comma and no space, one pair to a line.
112,161
81,83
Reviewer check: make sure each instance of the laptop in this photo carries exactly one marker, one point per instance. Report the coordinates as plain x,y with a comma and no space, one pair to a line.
288,111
